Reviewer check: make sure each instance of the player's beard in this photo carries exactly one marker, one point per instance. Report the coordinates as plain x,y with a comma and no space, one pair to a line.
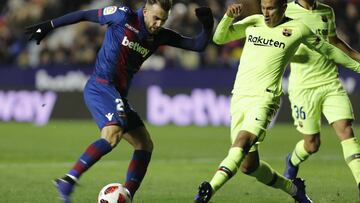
154,30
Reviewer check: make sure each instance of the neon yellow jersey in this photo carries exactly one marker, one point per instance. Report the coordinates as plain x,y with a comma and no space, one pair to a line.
267,51
308,67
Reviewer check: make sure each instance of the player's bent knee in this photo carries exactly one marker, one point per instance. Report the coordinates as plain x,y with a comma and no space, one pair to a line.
140,143
248,169
343,129
112,134
346,133
147,145
249,166
313,150
245,141
312,143
113,139
313,147
150,146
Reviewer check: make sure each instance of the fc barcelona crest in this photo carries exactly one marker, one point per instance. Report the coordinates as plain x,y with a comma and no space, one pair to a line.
287,32
324,19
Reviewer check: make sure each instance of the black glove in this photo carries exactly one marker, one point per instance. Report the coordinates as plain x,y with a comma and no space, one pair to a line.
39,31
205,16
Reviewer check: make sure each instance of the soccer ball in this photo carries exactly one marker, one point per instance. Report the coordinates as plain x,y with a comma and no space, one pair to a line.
114,193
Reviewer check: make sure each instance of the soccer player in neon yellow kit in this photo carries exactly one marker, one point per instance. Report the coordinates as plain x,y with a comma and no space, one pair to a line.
271,41
315,88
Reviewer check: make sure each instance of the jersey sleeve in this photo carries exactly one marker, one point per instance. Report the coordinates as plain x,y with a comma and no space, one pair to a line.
332,24
174,39
226,31
112,15
75,17
329,51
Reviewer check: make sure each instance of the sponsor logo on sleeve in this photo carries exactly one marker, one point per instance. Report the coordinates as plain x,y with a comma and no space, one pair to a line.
123,9
109,10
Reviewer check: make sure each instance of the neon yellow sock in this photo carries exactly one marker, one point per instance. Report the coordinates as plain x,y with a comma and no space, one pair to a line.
299,154
267,175
351,151
227,168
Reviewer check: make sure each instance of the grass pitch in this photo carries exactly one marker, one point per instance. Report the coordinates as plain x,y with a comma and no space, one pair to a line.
30,157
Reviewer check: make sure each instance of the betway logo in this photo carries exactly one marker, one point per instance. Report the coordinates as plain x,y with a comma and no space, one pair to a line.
135,46
259,41
27,106
73,80
201,107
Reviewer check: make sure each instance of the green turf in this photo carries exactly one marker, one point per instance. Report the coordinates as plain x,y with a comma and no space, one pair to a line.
30,157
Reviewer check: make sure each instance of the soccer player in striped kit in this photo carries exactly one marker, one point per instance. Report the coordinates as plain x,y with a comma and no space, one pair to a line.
131,37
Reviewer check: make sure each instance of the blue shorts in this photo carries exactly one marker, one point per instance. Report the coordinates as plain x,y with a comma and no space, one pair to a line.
108,107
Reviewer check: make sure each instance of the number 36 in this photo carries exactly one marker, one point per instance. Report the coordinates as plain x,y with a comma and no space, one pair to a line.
299,112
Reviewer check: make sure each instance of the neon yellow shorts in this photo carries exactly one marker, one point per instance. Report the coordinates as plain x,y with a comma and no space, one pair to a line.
252,114
308,104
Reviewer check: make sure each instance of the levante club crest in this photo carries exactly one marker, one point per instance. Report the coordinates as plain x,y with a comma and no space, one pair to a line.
287,32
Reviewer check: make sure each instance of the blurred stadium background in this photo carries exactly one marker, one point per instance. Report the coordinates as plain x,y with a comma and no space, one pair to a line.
60,66
41,104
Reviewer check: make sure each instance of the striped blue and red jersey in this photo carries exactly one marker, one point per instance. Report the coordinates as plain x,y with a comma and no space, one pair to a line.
127,43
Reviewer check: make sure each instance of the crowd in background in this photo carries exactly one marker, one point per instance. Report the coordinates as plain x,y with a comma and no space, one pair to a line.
78,44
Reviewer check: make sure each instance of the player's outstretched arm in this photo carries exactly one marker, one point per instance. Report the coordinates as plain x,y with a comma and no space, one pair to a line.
199,42
39,31
339,43
226,31
331,52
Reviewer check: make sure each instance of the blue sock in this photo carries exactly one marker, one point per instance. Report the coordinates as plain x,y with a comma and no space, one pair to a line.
91,155
137,170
